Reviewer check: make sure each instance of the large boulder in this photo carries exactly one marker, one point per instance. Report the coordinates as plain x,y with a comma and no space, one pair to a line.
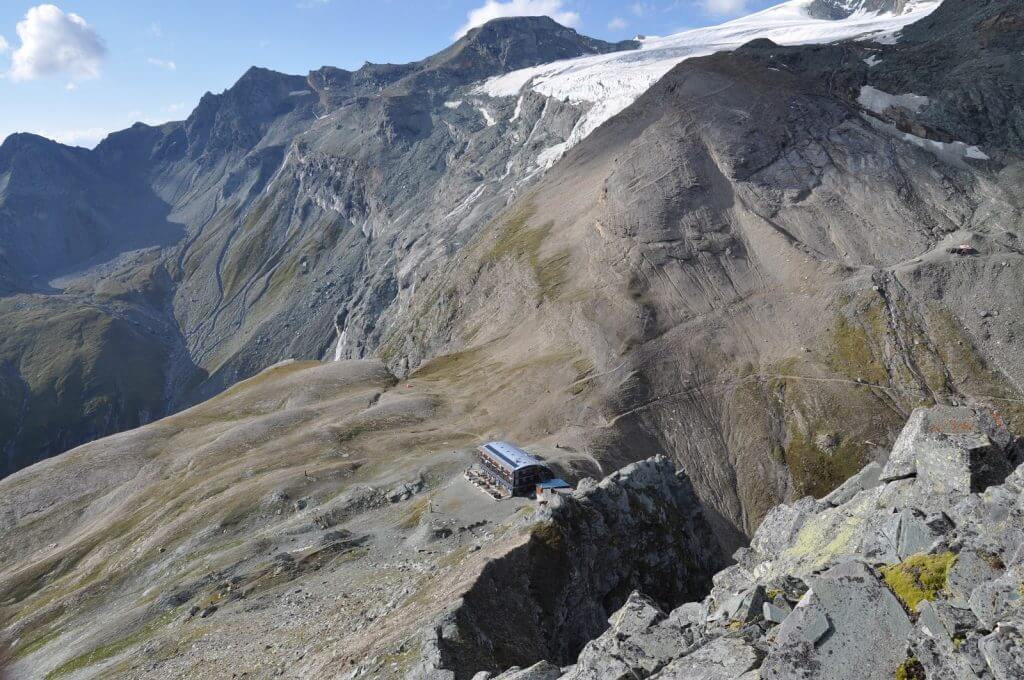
945,642
781,525
897,534
727,658
866,635
1001,599
952,449
868,478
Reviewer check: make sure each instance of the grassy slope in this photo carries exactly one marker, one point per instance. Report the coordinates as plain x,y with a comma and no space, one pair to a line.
114,540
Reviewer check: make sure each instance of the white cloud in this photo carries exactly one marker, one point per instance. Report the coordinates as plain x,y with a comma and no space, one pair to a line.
496,9
639,9
162,63
156,30
617,24
91,136
3,45
71,86
88,137
53,42
725,6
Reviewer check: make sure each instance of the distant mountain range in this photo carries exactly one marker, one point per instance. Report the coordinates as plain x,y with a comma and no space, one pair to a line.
172,261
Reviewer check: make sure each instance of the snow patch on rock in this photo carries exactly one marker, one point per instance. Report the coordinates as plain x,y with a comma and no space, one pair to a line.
877,101
954,153
488,118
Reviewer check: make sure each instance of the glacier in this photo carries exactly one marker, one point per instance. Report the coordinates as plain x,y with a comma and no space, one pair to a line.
606,84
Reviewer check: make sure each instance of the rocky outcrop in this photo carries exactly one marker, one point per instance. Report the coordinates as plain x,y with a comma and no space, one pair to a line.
640,529
841,9
900,576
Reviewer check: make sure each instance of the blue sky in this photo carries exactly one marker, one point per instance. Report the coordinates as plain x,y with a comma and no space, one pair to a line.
77,69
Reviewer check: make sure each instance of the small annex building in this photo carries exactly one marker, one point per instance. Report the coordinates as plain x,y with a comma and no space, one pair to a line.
510,467
553,487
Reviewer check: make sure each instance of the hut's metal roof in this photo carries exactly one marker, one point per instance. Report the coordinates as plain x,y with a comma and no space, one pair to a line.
509,455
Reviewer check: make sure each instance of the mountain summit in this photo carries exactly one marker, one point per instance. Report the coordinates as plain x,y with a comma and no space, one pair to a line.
507,44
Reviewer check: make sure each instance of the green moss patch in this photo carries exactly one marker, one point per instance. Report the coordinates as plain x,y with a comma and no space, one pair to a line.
816,472
911,669
852,352
919,577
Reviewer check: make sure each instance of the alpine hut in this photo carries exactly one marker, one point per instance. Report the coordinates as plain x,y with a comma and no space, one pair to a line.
510,467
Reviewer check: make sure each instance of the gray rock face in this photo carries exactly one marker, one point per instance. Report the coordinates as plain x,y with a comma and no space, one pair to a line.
841,9
1000,599
899,535
542,670
744,606
868,477
972,568
807,624
1003,650
776,613
781,525
831,604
